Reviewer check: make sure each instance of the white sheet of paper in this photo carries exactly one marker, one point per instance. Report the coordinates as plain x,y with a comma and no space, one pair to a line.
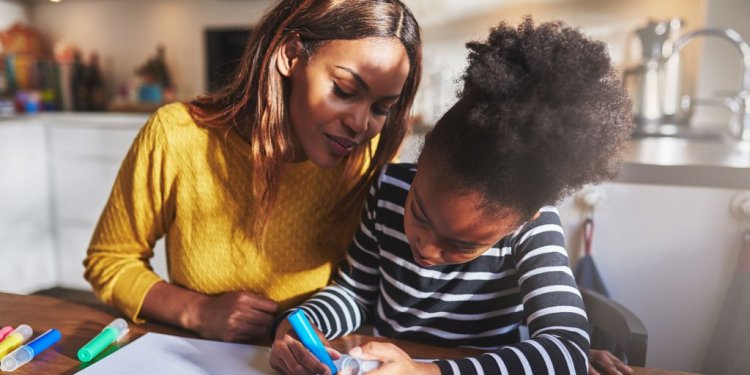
159,354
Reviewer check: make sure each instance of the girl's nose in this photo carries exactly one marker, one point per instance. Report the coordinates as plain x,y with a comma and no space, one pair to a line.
427,248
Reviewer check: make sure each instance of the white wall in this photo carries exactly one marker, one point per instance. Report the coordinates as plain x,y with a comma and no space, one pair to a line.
720,60
126,33
12,11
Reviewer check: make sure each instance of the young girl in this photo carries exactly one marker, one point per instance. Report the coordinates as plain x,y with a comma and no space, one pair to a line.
464,248
247,185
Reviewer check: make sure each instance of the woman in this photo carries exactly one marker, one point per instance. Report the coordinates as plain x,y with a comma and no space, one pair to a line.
257,188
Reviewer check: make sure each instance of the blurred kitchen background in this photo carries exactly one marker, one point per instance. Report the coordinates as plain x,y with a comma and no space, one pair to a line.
79,77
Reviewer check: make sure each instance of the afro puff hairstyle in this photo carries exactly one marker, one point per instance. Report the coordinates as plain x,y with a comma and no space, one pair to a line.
541,113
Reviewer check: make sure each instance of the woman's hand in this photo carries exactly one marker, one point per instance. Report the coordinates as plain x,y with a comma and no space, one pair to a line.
289,356
233,316
604,363
393,360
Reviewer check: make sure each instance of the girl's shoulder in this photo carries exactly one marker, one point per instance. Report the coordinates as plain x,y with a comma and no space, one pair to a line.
403,172
395,175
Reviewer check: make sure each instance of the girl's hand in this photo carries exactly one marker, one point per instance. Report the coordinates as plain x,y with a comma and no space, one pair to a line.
393,360
289,356
604,363
232,316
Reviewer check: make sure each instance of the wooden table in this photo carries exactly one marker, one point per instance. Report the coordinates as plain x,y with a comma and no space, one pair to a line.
78,323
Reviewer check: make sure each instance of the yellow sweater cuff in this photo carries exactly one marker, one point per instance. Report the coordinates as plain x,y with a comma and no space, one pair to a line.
130,290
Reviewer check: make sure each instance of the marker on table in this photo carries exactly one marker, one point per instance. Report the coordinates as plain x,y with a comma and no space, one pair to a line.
26,353
5,331
15,338
112,332
310,339
349,365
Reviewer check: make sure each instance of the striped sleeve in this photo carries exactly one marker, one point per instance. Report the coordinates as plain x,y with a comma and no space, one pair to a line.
553,310
343,306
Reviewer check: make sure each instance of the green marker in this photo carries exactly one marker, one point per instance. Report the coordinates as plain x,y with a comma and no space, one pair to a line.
111,333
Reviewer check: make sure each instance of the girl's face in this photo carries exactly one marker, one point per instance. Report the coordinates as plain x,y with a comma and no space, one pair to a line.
340,97
444,226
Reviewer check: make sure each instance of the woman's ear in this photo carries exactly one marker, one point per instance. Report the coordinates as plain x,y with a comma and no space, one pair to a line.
289,54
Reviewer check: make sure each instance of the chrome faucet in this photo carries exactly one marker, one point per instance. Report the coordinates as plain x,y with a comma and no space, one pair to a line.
739,104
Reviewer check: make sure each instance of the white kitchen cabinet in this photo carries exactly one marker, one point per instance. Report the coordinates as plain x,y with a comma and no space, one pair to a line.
56,174
85,156
27,256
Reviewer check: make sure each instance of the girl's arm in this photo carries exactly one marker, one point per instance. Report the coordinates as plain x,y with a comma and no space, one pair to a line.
344,306
553,310
340,308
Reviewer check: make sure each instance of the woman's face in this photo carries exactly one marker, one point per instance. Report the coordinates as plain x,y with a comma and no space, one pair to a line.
341,95
445,226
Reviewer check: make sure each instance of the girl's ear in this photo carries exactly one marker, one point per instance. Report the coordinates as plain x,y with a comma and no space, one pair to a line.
289,54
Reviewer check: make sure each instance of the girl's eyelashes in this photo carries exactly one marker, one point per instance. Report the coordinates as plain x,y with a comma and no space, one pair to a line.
416,214
464,250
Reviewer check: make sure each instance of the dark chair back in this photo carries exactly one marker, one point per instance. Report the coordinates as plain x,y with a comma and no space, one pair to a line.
615,328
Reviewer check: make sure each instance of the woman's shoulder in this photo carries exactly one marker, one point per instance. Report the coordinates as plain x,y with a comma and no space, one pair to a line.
174,124
174,116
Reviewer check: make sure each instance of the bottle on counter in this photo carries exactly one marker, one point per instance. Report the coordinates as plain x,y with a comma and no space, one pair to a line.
78,84
95,86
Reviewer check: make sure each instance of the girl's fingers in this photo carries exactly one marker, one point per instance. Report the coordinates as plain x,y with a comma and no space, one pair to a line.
306,359
377,350
333,353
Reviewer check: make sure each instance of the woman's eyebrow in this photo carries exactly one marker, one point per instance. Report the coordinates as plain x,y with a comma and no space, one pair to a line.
361,82
357,77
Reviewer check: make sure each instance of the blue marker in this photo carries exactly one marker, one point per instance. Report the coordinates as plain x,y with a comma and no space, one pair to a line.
310,339
26,353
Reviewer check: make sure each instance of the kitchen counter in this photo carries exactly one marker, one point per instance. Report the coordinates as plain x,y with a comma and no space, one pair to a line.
685,162
82,119
649,160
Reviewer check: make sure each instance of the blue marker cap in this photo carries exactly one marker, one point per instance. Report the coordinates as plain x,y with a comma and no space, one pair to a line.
26,353
310,339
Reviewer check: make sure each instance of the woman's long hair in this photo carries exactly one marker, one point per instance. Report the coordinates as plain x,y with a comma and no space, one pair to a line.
255,102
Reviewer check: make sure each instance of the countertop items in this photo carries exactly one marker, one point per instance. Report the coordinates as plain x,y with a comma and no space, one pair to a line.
700,157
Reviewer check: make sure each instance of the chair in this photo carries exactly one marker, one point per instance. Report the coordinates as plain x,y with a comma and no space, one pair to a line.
615,328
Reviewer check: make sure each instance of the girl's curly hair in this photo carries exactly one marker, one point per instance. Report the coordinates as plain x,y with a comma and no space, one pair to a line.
541,113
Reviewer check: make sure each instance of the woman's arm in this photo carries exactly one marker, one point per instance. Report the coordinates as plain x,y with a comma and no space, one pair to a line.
232,316
139,211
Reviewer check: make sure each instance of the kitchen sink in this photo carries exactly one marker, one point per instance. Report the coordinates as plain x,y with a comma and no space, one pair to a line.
713,135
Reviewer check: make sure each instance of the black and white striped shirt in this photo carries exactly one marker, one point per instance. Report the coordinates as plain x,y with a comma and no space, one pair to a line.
524,279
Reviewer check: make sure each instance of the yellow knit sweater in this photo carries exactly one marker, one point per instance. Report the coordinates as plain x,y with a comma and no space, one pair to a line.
193,186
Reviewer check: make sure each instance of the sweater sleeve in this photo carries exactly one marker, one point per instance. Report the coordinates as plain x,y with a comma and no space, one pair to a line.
553,310
134,217
344,306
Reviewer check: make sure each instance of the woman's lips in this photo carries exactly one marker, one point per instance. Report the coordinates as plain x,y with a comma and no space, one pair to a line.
340,146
